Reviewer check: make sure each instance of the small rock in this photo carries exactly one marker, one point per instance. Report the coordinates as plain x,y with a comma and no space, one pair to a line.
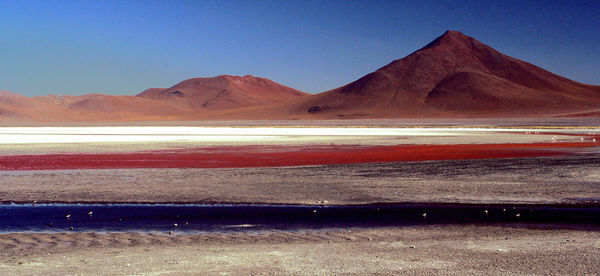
412,246
317,108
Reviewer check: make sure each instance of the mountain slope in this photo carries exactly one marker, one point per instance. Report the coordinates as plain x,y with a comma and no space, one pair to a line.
224,92
454,75
91,107
184,101
10,103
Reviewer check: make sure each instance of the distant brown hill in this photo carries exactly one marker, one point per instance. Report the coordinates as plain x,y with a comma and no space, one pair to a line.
455,75
10,103
184,101
4,94
224,92
92,107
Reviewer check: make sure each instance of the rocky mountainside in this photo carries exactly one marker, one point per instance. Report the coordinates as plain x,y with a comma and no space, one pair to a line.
224,92
452,76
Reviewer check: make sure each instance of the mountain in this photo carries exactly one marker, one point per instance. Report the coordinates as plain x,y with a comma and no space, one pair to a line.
9,104
455,75
188,100
91,107
224,92
4,94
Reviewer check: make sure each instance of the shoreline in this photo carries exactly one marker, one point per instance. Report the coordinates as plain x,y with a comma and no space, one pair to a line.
582,204
458,250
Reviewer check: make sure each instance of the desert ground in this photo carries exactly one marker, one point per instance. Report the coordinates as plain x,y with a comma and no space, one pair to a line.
556,162
456,250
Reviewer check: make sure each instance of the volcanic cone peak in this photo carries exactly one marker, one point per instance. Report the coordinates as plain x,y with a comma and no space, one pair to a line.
455,73
224,91
451,38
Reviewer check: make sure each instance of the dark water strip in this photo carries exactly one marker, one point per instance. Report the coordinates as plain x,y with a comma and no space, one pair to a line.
226,218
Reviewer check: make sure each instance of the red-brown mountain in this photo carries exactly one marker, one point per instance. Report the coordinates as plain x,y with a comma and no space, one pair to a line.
91,107
455,75
224,92
188,100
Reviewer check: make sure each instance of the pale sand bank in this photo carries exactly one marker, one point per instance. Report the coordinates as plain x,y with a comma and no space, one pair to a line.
454,250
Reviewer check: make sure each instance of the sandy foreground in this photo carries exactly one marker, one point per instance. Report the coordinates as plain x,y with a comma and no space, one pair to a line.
454,250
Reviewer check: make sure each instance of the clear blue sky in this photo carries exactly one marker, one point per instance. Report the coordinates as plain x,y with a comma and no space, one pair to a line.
124,47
